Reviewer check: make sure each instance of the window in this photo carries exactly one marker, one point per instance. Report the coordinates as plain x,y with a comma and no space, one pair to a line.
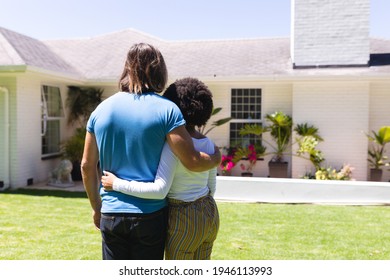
245,109
52,113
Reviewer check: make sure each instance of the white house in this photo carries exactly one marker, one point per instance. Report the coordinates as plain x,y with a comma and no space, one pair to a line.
330,73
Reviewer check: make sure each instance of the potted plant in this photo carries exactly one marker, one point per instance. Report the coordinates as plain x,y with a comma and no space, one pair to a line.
377,157
72,149
249,155
280,129
80,103
308,139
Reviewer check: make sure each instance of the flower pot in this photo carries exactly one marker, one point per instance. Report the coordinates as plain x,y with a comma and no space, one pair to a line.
278,169
247,174
376,175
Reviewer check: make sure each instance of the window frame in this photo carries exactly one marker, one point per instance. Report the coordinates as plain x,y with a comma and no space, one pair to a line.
49,133
244,140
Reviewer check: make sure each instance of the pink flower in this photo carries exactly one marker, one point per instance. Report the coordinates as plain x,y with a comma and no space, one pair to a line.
227,162
229,165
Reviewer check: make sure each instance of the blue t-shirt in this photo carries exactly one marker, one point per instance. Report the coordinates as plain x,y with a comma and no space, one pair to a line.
130,132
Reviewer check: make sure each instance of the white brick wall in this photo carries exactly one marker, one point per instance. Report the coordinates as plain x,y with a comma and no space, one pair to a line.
330,32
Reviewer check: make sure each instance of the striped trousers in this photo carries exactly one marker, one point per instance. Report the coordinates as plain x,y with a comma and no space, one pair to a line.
192,229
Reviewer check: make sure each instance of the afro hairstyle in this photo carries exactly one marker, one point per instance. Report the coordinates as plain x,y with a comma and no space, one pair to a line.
193,98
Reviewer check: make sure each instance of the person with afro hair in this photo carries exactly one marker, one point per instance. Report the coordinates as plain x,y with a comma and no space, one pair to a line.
125,135
193,221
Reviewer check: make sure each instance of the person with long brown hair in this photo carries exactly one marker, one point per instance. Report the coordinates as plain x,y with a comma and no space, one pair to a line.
125,135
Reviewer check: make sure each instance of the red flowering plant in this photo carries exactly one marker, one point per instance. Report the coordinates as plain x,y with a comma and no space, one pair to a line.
228,162
251,153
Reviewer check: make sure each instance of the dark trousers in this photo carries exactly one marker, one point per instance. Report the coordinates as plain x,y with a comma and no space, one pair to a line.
134,236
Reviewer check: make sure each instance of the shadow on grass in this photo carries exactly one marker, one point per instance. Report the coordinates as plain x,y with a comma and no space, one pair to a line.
55,193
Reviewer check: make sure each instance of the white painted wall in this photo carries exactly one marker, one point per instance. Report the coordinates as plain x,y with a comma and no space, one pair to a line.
276,97
7,137
380,113
330,32
4,135
27,144
340,110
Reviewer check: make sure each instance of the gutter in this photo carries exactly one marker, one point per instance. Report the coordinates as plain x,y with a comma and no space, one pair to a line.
6,158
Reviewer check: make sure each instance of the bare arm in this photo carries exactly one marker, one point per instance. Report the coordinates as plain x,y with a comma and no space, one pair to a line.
90,174
182,146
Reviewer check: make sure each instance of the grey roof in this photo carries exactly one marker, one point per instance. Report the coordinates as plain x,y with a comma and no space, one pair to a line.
18,49
102,57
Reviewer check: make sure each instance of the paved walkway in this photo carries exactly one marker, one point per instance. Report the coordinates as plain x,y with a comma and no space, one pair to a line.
77,187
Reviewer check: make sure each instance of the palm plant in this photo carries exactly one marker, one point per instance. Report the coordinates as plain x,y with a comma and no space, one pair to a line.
308,139
81,102
280,130
214,124
377,157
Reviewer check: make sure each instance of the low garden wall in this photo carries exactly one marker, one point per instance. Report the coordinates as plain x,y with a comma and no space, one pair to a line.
275,190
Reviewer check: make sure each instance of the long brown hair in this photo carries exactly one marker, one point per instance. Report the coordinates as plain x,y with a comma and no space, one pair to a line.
144,70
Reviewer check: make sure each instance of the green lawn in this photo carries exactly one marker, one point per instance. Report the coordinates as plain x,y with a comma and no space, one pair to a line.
46,225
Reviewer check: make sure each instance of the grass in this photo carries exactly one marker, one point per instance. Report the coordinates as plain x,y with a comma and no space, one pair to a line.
303,232
57,225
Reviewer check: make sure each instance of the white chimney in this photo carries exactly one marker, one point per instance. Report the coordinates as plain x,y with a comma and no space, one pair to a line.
330,33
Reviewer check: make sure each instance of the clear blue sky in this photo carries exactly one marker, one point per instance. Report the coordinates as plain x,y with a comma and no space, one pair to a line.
166,19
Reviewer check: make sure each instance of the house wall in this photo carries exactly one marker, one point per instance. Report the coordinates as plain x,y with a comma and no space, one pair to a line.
380,113
7,102
341,112
28,139
27,162
343,127
276,96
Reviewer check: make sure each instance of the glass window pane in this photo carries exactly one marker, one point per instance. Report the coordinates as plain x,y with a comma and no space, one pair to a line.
52,96
51,140
52,112
245,105
237,139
